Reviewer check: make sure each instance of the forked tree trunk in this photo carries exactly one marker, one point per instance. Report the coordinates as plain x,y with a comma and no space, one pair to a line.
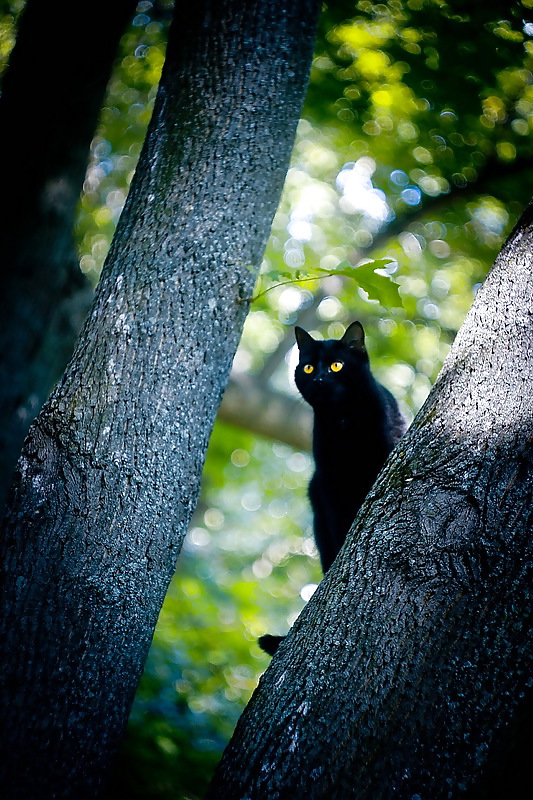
51,98
109,473
407,675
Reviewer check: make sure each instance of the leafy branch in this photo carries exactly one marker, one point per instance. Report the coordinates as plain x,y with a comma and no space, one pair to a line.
377,285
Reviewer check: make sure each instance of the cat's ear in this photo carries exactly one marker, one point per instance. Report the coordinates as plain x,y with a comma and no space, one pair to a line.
355,337
303,339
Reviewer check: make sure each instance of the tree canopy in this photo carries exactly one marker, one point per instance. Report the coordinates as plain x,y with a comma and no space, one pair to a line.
414,148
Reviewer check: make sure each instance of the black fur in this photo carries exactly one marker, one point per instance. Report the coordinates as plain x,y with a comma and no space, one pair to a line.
269,643
357,423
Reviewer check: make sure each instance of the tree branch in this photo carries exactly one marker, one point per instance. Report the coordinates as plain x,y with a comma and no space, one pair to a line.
250,404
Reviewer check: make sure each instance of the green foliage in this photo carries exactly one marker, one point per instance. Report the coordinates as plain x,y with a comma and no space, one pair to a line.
118,141
8,23
409,169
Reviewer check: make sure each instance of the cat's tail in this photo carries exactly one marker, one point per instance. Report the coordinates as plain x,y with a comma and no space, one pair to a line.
270,643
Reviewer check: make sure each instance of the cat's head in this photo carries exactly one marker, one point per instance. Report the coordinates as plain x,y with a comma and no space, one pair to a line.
329,371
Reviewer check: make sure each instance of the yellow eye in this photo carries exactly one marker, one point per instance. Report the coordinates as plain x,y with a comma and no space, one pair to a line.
308,369
336,366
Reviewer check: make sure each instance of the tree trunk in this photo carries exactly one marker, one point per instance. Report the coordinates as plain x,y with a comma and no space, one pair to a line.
109,473
405,676
52,96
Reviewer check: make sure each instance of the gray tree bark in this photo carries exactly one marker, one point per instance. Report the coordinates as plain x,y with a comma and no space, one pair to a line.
51,97
408,674
110,470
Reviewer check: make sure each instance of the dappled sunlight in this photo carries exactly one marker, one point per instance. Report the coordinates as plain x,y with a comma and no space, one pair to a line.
359,194
408,151
117,145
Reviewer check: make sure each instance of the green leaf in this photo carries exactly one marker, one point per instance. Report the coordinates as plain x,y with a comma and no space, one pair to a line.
378,287
275,275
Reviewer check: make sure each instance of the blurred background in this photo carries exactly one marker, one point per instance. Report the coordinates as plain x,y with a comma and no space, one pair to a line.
415,146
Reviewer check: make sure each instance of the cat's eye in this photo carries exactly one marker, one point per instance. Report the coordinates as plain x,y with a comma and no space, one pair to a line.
336,366
308,368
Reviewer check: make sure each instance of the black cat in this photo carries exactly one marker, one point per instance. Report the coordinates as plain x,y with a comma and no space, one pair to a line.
357,423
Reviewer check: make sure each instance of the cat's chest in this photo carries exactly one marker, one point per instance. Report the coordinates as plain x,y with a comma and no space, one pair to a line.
346,442
335,441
